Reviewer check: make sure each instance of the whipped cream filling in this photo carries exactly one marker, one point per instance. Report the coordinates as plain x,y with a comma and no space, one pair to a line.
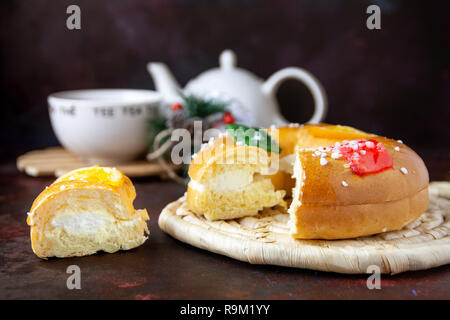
231,180
75,223
238,179
287,164
195,185
297,193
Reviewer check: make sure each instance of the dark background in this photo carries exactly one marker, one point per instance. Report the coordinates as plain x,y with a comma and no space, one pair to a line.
393,81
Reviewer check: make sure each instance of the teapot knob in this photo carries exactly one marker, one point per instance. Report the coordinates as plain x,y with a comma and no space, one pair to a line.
227,59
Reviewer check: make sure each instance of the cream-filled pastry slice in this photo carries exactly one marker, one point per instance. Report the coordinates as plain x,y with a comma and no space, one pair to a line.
228,181
85,211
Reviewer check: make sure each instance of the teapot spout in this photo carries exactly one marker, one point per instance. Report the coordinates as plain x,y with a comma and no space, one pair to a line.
165,82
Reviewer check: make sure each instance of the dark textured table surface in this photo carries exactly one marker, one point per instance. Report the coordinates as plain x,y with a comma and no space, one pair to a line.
164,268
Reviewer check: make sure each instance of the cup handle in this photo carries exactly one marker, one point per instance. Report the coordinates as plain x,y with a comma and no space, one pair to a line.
320,97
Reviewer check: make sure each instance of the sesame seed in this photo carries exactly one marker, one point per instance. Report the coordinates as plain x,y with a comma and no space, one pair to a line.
323,161
370,144
336,155
404,170
346,165
399,141
345,184
384,230
397,148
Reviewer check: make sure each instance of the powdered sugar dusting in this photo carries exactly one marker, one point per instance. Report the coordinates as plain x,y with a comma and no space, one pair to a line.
323,161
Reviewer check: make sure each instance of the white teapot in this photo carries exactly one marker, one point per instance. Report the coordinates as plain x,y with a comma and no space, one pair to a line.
258,97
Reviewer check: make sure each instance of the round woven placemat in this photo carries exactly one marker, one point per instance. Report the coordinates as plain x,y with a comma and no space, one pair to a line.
265,239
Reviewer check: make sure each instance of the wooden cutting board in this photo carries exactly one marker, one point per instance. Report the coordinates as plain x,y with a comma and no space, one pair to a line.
56,161
264,239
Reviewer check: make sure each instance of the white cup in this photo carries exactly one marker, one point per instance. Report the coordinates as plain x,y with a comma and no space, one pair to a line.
103,126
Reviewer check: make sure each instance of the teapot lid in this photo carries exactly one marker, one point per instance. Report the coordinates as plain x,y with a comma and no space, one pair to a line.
227,60
225,78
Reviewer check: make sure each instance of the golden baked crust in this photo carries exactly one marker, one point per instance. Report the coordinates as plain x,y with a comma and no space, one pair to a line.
323,184
313,136
351,221
96,195
224,151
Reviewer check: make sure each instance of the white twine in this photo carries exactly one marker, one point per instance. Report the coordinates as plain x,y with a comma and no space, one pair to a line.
159,152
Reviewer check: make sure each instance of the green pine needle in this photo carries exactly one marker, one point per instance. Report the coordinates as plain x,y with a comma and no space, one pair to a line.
156,124
197,107
253,136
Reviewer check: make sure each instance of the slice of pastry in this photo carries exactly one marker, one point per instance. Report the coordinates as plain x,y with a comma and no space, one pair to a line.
85,211
228,181
344,182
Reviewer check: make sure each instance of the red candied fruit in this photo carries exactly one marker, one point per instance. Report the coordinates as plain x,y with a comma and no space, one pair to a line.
366,156
177,106
228,118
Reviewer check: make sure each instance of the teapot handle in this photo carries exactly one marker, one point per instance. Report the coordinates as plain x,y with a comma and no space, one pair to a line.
320,98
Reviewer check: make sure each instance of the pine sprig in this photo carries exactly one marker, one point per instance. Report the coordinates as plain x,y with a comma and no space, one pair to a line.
253,136
197,107
182,115
156,124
